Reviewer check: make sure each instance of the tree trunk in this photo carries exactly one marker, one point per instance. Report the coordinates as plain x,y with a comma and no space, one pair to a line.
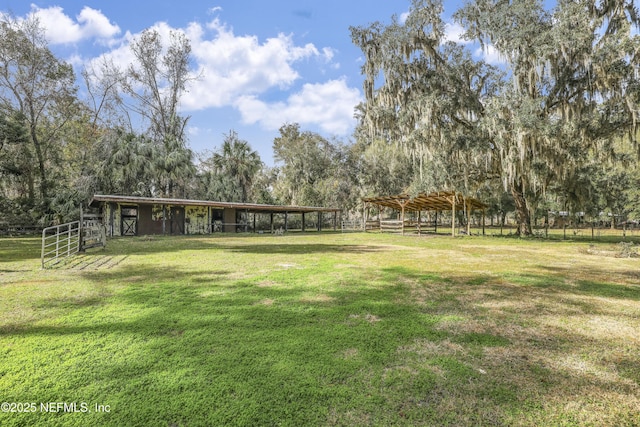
523,215
40,159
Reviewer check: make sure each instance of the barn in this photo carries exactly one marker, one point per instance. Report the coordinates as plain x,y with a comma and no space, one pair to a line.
132,216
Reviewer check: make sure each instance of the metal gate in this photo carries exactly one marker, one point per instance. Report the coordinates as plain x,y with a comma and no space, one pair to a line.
64,240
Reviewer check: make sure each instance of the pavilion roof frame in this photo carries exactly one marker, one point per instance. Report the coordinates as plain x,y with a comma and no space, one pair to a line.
436,201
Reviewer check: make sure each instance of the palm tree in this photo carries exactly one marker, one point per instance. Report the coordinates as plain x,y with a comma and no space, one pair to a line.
237,163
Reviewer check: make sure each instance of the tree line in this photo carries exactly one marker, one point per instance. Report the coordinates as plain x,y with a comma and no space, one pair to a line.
554,127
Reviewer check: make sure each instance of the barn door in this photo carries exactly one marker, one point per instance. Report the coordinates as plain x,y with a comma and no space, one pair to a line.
129,221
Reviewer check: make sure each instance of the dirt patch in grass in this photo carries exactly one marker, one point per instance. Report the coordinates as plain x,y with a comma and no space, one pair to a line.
324,298
350,353
267,284
369,318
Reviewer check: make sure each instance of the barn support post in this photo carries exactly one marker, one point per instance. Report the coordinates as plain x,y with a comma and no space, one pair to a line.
419,221
402,217
164,219
112,218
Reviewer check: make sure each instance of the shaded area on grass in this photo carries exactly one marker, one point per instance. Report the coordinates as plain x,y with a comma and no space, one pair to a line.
14,249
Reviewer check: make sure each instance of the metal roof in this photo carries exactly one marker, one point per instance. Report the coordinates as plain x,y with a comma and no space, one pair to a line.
441,200
250,207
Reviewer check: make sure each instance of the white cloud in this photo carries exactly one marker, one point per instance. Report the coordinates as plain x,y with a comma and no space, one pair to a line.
328,105
231,66
490,54
453,33
328,53
404,16
237,70
61,29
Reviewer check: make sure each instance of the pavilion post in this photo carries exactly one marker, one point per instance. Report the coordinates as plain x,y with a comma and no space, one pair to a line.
436,223
419,221
484,212
303,222
286,221
319,221
364,217
453,216
468,206
335,220
254,223
271,222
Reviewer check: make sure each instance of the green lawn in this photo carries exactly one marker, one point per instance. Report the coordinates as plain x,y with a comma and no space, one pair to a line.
322,329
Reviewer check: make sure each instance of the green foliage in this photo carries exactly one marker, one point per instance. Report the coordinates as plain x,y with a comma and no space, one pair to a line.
312,170
229,174
41,89
569,89
554,128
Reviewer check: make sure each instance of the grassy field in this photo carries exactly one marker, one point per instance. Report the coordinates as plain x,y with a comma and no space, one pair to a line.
326,329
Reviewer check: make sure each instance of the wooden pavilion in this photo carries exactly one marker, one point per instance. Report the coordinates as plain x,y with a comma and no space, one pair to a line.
438,201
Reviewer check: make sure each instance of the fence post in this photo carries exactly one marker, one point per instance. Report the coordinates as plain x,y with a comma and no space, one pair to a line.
80,231
68,239
44,233
57,241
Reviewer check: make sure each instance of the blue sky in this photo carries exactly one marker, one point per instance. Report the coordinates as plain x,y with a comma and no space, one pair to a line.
262,64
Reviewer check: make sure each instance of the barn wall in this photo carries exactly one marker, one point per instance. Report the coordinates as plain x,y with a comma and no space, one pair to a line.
150,219
106,218
116,218
196,218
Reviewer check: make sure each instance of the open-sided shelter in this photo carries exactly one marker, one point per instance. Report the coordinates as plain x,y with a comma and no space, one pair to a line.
130,216
437,201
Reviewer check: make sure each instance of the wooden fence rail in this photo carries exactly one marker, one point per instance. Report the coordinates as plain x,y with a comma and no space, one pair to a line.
391,226
351,225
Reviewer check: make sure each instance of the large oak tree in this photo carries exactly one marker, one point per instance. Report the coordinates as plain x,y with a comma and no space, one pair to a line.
570,85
